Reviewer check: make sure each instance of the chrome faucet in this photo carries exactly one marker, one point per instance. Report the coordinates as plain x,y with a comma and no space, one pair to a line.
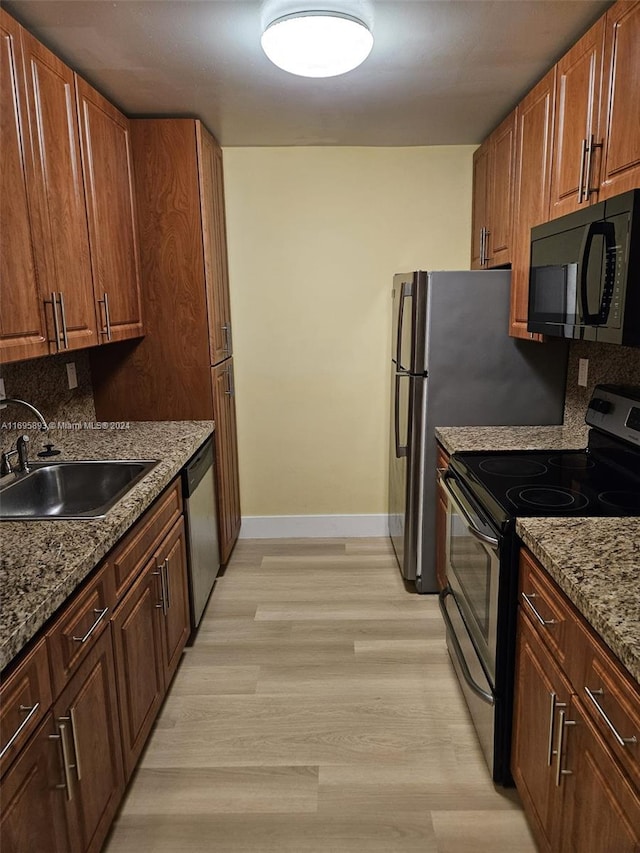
22,442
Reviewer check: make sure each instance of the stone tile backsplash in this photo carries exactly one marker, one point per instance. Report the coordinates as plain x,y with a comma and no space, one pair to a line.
43,383
607,364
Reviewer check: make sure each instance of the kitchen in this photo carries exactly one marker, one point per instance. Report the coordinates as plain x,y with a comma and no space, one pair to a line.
304,324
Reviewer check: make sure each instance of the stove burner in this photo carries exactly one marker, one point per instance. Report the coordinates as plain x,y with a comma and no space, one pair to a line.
621,500
512,466
547,497
572,461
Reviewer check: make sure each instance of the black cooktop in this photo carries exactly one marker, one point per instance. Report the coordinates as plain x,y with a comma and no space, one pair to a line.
550,483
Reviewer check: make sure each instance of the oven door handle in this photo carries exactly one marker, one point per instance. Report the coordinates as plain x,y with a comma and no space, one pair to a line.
479,691
473,530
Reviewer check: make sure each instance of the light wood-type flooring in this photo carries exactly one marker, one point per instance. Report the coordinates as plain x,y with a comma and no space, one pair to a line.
316,712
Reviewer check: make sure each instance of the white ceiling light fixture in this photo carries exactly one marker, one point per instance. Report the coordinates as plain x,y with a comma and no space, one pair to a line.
317,44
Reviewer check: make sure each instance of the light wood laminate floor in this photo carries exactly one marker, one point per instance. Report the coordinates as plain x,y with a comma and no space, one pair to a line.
317,712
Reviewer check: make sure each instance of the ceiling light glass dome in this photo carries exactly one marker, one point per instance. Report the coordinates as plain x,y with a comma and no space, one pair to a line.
317,44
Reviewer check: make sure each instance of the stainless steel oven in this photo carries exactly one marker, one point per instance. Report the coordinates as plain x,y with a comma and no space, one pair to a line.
470,607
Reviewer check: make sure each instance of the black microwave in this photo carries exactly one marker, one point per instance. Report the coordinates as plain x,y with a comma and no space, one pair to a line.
584,280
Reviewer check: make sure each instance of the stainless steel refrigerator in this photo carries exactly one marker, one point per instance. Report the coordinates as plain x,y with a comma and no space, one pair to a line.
453,364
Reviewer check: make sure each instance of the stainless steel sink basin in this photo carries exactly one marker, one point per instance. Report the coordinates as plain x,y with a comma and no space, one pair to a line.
70,489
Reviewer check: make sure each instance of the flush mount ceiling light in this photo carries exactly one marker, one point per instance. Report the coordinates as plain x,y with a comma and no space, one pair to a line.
317,44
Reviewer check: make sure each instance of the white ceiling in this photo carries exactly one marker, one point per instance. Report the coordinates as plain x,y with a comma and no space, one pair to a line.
441,71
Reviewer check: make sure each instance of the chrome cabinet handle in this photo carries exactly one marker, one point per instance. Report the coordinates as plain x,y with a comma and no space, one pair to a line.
483,237
552,713
623,741
165,566
56,323
20,728
226,331
527,601
74,738
588,189
486,246
101,615
559,771
65,760
107,316
230,390
164,606
581,193
65,338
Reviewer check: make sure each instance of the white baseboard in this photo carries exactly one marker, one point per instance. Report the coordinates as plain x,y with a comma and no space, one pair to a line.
312,526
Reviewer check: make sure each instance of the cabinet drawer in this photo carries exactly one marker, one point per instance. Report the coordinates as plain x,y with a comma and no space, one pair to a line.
550,613
146,536
25,697
612,700
80,624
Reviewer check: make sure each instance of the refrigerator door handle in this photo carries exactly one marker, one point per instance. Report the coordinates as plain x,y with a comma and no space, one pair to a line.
401,449
406,290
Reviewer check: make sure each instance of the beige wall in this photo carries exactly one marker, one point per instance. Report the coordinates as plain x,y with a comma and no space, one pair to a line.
315,235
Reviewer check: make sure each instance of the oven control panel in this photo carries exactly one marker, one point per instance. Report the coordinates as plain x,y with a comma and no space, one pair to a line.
615,409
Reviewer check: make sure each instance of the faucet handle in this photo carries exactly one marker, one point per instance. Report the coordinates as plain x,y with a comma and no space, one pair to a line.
5,462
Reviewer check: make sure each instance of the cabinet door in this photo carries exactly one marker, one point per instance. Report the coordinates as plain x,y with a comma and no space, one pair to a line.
108,173
601,807
533,178
541,693
500,192
577,106
215,244
226,447
33,813
23,331
138,652
621,160
172,559
88,710
479,206
62,244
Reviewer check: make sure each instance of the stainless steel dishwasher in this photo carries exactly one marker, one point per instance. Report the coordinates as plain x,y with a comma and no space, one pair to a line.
198,488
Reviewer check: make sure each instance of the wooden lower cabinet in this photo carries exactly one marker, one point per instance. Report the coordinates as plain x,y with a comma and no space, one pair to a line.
150,630
137,641
86,715
601,807
76,710
578,793
226,445
33,800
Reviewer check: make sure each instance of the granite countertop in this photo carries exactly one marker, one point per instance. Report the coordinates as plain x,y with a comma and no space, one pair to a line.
596,562
42,562
459,439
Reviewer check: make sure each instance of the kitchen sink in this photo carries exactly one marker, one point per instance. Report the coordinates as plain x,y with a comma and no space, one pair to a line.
79,490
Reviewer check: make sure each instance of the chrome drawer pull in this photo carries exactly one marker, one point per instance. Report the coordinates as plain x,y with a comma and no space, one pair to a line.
559,771
74,737
527,601
101,615
552,713
623,741
20,728
65,337
66,785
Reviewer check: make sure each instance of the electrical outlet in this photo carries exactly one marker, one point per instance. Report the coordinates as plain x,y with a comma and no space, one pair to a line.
72,376
583,371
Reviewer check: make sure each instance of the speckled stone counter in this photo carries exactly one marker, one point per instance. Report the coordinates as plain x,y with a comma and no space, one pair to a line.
459,439
42,562
596,562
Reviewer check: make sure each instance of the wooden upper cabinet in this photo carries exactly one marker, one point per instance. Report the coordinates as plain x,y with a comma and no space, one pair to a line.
479,206
61,237
501,187
214,244
493,184
621,109
108,171
23,331
576,156
534,137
